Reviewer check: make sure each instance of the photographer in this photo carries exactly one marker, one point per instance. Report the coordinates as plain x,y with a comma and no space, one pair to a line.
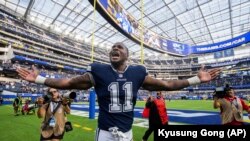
17,104
231,107
53,109
158,117
1,100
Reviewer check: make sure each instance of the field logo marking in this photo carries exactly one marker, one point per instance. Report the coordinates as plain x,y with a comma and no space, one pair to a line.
194,114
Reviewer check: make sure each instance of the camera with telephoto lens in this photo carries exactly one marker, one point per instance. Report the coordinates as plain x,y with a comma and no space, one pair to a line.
70,95
221,92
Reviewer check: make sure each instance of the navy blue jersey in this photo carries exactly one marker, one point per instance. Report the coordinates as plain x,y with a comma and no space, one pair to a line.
116,93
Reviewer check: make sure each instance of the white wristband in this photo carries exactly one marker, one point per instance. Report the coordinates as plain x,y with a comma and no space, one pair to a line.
40,79
194,80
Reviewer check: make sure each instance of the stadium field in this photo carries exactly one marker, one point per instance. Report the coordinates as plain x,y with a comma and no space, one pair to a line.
203,105
27,127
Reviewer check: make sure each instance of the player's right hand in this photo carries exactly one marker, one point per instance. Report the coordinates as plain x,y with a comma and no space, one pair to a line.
29,75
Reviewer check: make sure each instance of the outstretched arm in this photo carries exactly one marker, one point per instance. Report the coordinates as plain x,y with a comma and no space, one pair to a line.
153,84
78,82
203,76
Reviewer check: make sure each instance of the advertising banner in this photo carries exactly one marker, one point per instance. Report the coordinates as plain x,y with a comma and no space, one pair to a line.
231,43
124,22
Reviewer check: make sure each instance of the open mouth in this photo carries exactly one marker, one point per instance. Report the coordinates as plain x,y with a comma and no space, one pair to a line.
115,55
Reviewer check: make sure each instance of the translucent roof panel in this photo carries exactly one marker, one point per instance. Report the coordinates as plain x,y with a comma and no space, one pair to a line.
194,22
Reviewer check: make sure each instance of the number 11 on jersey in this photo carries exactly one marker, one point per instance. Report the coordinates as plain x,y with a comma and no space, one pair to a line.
115,105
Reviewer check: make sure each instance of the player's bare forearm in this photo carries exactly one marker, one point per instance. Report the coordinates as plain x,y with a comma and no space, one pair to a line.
153,84
78,82
57,83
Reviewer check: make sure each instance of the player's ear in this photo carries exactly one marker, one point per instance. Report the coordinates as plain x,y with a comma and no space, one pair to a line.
127,52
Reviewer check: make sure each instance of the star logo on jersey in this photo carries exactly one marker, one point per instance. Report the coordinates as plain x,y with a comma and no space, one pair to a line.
89,68
120,75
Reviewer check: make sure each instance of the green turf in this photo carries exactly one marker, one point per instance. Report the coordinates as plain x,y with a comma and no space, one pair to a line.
200,105
27,127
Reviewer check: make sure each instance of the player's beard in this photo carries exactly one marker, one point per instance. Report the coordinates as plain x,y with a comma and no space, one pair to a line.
117,64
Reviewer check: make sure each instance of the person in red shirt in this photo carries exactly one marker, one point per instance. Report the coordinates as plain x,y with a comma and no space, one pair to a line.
231,108
158,117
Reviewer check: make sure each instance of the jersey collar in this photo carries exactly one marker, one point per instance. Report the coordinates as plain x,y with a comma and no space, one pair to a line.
117,71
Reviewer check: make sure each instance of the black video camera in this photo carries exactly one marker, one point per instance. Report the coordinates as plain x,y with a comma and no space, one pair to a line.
221,92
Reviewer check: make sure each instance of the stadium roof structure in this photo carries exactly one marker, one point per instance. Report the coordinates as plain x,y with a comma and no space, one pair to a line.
194,22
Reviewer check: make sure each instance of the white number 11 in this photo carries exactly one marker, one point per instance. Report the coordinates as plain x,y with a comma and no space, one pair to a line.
115,105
